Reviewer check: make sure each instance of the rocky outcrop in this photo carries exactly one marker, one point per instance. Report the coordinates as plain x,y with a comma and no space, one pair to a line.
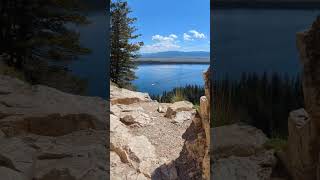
299,160
238,153
236,140
124,96
151,140
48,134
302,154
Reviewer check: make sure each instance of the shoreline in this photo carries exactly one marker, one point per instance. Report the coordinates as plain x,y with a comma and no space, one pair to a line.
161,62
176,60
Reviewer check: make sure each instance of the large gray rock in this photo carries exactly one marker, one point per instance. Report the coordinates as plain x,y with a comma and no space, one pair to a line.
236,140
47,134
120,170
46,111
183,116
244,168
238,152
135,117
124,96
136,151
176,107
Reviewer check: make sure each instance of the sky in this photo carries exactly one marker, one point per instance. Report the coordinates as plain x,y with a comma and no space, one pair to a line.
172,25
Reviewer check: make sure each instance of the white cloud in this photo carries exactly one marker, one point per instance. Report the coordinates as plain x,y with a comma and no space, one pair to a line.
187,37
160,38
197,35
162,43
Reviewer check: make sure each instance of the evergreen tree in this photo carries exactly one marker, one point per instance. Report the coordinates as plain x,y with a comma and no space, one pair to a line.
35,30
123,50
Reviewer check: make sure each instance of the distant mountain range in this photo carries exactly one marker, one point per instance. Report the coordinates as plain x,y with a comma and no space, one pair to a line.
177,54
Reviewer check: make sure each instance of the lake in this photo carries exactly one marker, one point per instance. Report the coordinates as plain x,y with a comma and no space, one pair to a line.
152,78
257,40
245,40
157,78
93,67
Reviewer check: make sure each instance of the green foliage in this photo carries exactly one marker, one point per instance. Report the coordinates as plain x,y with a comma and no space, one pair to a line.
277,144
123,50
190,93
262,101
178,96
35,30
35,33
12,72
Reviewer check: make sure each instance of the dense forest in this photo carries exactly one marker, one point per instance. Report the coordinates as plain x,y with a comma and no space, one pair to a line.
190,93
262,101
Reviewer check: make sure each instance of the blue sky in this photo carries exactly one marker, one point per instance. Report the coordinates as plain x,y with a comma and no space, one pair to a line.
172,25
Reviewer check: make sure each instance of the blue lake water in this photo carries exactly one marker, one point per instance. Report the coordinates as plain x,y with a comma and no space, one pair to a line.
257,40
153,79
156,78
245,40
93,67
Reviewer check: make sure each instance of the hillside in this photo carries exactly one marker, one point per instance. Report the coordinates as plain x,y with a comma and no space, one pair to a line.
176,54
176,57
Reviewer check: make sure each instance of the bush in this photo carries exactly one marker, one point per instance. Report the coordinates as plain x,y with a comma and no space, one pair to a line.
190,93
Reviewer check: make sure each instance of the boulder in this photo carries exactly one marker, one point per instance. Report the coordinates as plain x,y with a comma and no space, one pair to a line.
120,170
178,107
142,155
236,140
124,96
183,116
162,108
246,168
135,117
46,111
136,151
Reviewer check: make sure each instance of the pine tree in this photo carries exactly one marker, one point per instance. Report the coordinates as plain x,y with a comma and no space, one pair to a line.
35,30
123,50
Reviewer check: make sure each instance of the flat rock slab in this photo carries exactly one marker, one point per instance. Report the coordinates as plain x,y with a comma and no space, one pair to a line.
257,167
78,155
125,96
46,111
